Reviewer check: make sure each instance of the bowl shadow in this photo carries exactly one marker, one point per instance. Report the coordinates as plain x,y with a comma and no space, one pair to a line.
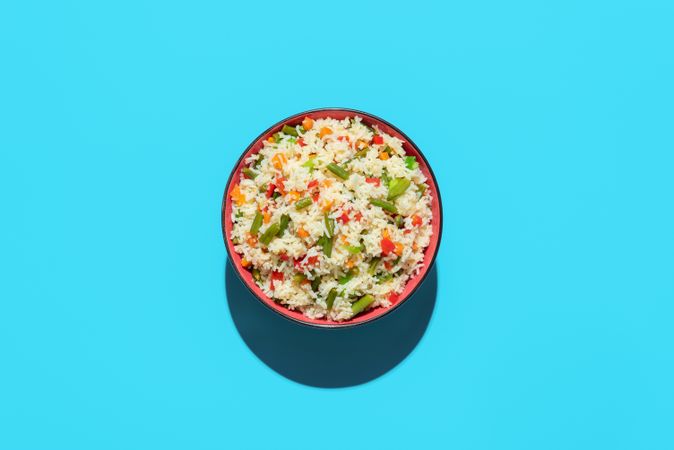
330,358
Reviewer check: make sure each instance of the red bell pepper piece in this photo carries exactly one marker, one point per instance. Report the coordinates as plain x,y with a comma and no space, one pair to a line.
387,246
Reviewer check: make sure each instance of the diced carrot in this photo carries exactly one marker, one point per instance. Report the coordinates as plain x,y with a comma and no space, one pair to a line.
399,248
266,216
302,233
350,263
385,234
279,160
271,139
301,142
343,238
417,221
324,132
294,196
415,247
326,205
252,240
237,196
307,123
245,262
327,182
360,144
384,156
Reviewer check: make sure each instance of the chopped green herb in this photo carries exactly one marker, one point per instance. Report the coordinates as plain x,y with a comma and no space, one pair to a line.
353,249
411,162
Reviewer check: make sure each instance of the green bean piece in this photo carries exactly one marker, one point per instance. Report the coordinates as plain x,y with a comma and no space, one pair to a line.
258,162
421,188
299,277
302,130
329,225
397,187
388,150
257,223
250,173
354,272
362,153
362,303
277,137
385,178
239,214
303,203
384,277
384,205
372,268
289,130
270,233
263,188
400,221
327,247
256,274
331,298
339,171
315,283
283,225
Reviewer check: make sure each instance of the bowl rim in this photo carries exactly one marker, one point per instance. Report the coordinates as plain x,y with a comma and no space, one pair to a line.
347,324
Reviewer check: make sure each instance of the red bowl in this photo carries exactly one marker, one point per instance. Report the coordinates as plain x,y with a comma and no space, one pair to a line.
429,254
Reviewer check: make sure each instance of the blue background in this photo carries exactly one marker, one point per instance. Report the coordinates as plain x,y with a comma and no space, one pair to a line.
549,126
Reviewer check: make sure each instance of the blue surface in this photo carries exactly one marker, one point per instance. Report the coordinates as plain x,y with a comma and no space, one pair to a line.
549,125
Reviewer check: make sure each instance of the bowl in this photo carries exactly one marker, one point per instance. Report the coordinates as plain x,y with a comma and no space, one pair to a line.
429,255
